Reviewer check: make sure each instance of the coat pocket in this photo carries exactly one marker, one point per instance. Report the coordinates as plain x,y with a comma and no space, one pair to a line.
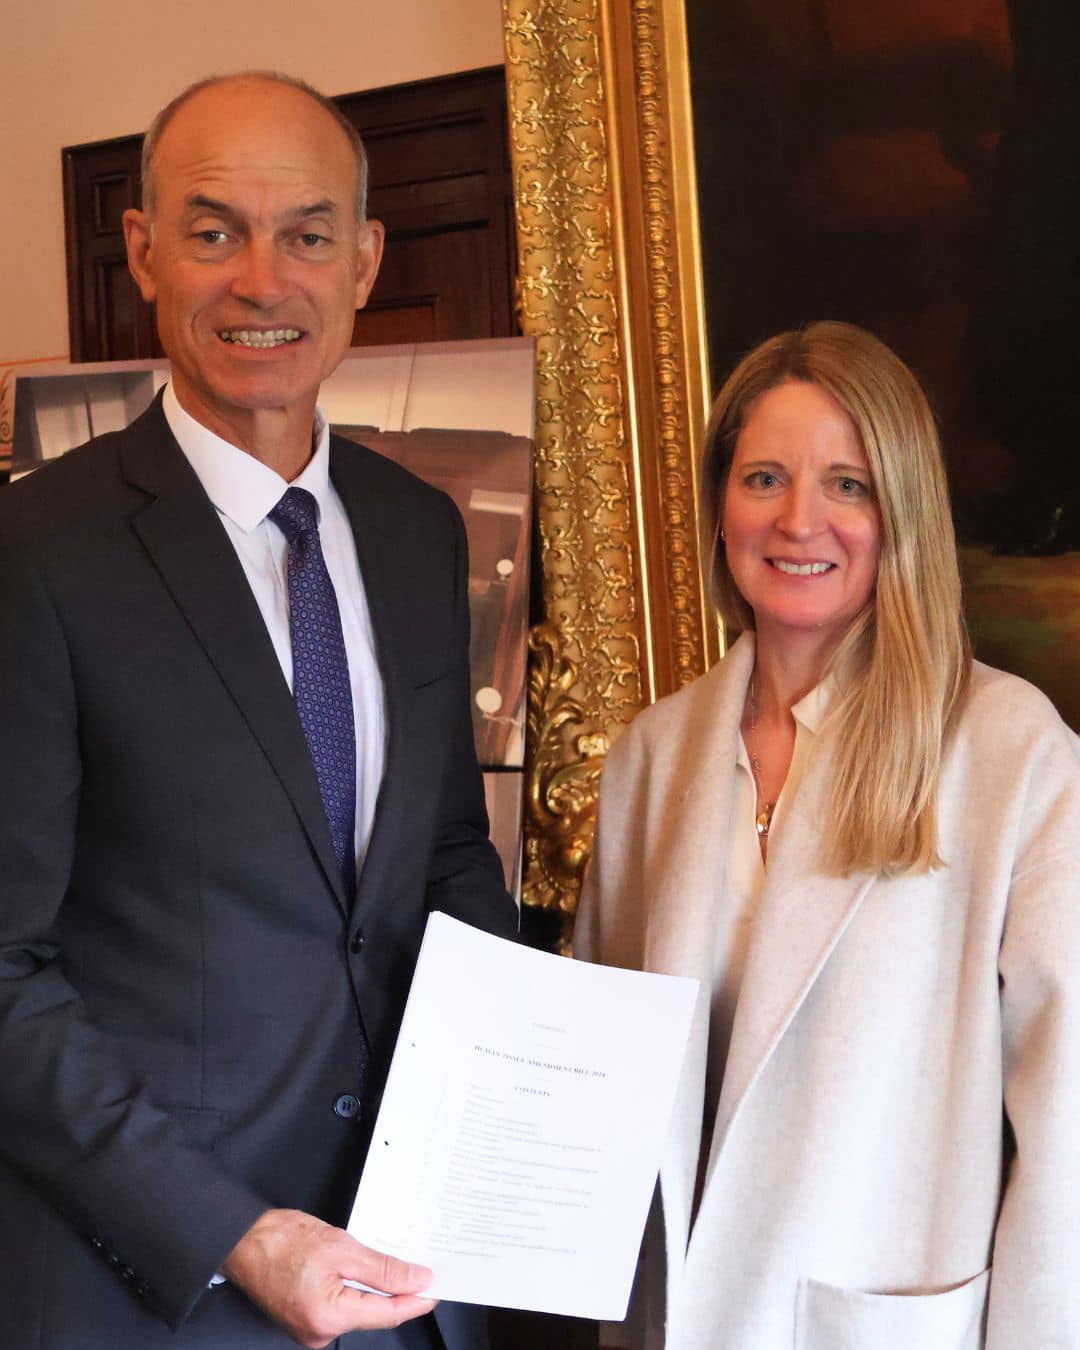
828,1318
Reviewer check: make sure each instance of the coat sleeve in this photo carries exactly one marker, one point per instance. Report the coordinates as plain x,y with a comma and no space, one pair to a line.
1034,1289
612,912
75,1121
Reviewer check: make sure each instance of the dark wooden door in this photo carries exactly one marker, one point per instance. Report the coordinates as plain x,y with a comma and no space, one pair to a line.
107,317
441,183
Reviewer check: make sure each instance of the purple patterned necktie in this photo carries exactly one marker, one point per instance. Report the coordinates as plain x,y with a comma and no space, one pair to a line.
321,684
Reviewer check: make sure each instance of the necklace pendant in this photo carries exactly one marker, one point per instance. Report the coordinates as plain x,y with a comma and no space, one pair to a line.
764,819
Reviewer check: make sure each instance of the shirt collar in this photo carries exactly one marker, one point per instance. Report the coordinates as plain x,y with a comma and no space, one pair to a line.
810,712
239,485
812,709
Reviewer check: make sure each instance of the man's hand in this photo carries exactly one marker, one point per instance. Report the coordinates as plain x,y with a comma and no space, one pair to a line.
292,1265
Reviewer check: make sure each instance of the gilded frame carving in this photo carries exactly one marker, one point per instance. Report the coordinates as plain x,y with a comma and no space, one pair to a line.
610,278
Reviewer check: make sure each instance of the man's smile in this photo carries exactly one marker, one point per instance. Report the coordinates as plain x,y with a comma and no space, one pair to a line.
254,337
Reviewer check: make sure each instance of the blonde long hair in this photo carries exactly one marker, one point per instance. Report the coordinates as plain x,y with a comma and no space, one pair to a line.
903,666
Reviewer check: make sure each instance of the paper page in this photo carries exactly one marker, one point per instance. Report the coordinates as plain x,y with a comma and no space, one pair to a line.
519,1137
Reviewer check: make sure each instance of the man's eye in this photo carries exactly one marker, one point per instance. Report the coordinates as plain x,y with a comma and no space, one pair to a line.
212,236
312,240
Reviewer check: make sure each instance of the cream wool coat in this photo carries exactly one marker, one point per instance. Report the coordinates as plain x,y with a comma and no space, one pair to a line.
854,1198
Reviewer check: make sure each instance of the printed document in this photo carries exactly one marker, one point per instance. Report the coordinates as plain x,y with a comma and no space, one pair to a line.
518,1141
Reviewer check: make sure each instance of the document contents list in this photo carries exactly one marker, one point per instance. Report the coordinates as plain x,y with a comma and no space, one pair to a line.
518,1140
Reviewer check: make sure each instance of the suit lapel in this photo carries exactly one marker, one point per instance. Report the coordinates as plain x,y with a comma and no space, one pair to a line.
381,557
185,540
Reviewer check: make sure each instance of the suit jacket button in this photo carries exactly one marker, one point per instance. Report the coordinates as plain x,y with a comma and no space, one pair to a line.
347,1106
357,942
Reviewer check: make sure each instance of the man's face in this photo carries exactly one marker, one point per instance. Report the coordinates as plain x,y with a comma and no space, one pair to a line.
253,253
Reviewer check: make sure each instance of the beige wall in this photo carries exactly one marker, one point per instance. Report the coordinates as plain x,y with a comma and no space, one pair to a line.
75,72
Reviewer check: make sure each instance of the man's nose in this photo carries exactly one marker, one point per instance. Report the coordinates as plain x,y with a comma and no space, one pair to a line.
258,276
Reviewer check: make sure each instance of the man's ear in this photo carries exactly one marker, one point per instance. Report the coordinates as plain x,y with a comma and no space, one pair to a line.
368,256
138,236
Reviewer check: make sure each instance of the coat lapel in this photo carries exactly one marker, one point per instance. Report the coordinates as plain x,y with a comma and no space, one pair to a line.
693,839
802,917
185,540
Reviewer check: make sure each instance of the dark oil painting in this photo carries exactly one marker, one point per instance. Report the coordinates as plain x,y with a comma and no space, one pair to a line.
913,166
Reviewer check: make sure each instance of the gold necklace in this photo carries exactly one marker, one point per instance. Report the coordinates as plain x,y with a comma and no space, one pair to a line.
764,816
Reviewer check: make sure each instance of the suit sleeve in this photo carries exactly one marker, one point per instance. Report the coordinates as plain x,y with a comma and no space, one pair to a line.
1034,1292
465,878
75,1122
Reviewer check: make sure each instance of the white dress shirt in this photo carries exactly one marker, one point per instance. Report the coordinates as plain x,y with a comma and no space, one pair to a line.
244,491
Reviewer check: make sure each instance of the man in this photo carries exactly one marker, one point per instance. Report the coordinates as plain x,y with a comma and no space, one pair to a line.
234,732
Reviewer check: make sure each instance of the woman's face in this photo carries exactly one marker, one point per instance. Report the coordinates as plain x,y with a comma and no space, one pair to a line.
802,525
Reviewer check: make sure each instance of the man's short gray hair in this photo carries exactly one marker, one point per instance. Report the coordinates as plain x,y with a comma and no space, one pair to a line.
157,127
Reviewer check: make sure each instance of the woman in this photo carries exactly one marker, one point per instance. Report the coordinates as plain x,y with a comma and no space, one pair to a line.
866,847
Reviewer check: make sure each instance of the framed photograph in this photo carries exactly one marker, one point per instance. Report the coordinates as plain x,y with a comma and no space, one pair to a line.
460,416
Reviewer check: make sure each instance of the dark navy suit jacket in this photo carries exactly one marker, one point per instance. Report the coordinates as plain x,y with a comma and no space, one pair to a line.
183,984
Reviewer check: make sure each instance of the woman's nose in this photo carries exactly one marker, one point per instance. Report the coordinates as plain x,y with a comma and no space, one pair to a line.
802,513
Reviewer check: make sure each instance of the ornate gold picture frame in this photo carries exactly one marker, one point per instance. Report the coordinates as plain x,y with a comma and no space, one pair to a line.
611,290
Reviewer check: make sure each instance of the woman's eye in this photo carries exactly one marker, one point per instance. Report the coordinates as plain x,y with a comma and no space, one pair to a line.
851,487
763,478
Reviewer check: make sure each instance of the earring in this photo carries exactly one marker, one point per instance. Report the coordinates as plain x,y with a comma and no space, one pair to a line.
723,535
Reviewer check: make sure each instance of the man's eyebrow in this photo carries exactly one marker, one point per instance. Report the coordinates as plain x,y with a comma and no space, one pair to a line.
326,207
200,202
